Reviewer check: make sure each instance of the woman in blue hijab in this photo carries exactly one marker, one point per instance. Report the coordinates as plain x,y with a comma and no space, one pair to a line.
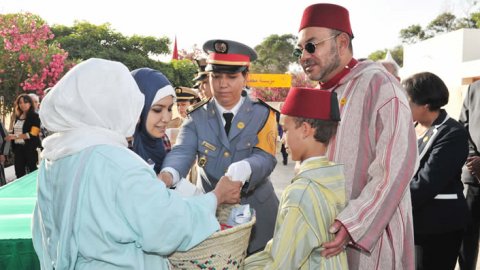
157,112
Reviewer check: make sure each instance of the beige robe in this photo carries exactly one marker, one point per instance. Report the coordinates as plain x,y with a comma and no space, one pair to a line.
376,142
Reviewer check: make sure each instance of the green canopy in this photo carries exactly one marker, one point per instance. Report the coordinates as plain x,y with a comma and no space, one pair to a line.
17,201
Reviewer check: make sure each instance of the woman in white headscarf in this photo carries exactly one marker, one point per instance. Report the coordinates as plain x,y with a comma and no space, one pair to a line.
99,205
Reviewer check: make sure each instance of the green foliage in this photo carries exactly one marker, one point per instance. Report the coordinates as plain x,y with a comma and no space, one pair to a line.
274,54
183,73
412,34
85,40
378,55
465,23
475,17
443,23
396,52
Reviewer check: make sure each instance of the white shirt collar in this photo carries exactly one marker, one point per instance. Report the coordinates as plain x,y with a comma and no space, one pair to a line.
234,110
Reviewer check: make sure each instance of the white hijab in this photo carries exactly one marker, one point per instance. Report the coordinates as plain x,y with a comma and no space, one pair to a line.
96,102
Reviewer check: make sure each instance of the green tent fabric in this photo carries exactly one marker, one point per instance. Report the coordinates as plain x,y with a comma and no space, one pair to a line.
17,201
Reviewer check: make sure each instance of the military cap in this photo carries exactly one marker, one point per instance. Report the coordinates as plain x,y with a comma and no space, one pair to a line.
196,85
226,56
311,103
202,74
185,94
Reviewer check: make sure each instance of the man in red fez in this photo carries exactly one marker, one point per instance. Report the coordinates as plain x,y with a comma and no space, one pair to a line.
375,141
317,193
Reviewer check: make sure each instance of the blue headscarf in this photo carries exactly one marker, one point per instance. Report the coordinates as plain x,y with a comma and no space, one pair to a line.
154,86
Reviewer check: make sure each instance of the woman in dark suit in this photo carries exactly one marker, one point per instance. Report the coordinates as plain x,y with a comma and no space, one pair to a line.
439,207
25,136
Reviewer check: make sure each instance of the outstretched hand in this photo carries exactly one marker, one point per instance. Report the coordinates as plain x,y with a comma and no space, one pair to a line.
227,191
473,165
166,177
340,242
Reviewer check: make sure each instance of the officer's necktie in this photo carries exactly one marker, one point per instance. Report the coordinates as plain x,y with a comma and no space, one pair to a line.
228,121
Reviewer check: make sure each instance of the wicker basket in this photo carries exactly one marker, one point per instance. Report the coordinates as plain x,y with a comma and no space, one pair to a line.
222,250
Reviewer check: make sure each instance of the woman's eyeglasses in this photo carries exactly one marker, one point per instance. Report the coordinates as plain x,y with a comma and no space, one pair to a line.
310,47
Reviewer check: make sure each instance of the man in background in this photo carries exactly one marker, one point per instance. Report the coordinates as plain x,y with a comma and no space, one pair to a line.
470,118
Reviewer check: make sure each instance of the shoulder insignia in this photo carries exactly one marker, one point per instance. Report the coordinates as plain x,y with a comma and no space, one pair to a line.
197,105
259,101
267,136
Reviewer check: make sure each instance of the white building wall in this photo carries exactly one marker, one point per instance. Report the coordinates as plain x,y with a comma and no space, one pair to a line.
454,57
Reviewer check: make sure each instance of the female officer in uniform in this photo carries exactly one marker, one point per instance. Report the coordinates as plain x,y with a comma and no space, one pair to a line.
231,135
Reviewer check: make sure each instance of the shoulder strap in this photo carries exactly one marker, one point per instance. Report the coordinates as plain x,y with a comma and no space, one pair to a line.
260,101
197,105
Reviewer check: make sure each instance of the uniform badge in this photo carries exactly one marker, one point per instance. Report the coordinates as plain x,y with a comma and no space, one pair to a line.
240,125
209,146
220,47
202,161
425,139
343,101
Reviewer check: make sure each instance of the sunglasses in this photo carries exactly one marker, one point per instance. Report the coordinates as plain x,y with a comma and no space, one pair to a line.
310,47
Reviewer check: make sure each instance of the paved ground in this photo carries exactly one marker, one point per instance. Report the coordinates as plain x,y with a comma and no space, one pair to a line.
282,175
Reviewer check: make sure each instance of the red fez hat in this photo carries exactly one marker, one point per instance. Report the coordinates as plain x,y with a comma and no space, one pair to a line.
327,15
311,103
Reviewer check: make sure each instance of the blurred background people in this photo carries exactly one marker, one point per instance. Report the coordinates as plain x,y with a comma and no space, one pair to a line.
159,96
36,101
283,149
25,137
470,118
202,83
185,98
3,154
439,208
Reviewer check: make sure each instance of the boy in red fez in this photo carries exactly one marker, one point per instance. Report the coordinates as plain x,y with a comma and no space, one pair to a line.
317,194
375,141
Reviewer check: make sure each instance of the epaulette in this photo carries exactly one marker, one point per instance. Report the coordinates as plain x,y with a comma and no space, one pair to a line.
197,105
260,101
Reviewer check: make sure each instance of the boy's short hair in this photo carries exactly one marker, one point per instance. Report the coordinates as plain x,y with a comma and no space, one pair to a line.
324,129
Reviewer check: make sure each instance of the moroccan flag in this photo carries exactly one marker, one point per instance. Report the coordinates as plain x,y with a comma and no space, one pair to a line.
175,50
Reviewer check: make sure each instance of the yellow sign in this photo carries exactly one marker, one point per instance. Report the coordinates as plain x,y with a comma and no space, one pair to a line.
270,80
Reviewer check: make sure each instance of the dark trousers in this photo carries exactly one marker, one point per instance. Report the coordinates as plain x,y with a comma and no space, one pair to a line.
437,251
284,154
3,179
469,250
26,159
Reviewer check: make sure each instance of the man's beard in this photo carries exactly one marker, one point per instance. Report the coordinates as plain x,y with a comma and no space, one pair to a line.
333,62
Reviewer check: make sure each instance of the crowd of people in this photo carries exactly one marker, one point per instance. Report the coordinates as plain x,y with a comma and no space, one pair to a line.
379,182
